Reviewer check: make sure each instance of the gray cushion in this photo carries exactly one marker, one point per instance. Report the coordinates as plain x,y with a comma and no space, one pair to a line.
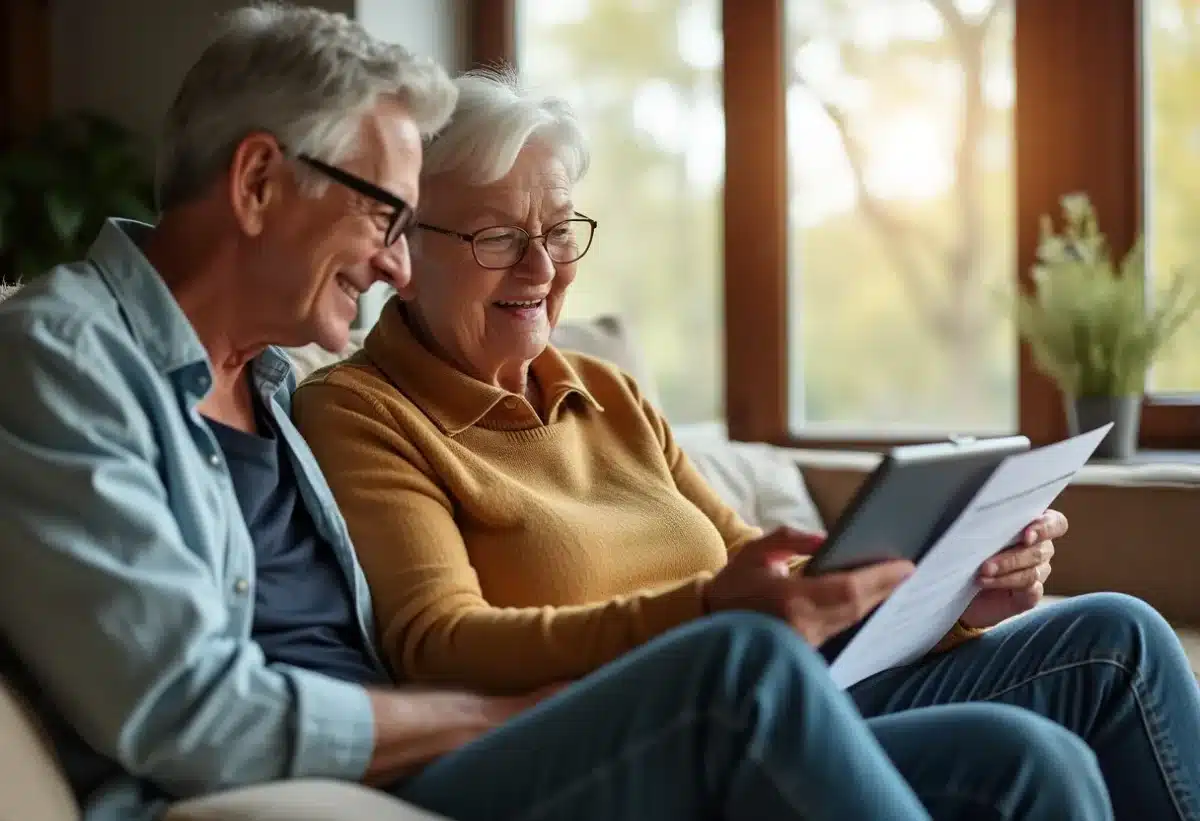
303,800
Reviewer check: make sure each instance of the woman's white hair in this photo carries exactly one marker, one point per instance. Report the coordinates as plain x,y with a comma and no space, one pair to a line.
496,116
303,74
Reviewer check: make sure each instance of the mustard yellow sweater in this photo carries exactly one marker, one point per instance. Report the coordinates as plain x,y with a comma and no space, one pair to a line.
505,552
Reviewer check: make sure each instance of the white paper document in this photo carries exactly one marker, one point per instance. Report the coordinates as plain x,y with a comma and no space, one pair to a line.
924,608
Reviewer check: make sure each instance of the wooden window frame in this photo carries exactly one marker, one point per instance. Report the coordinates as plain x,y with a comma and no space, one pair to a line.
24,66
1068,138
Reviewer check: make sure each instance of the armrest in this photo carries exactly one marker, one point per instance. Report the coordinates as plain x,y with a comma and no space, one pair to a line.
300,800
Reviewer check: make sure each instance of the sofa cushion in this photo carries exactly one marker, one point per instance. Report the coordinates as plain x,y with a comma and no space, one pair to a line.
762,483
612,339
32,786
306,800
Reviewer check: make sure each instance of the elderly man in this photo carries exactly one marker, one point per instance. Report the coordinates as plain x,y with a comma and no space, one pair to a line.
178,588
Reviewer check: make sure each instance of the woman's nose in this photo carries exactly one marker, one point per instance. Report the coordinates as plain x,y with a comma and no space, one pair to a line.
537,264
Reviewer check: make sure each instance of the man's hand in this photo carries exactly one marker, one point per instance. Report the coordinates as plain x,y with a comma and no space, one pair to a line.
414,726
1013,580
758,578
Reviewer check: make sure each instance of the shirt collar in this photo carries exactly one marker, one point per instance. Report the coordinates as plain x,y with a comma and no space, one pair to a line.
157,321
452,399
155,318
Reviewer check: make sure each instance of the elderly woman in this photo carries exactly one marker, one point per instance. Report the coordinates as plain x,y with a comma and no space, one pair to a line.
524,516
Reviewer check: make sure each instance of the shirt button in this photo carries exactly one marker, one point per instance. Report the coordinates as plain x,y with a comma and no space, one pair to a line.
214,460
510,402
241,586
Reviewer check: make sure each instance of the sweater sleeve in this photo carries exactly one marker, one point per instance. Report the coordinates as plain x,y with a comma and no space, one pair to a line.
958,634
435,624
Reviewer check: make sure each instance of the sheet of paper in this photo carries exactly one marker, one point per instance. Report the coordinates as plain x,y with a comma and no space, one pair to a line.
921,610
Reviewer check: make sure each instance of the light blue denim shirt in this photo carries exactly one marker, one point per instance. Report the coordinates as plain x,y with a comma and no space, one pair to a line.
126,569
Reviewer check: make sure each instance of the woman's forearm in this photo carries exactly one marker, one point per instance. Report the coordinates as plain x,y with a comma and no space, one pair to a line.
514,650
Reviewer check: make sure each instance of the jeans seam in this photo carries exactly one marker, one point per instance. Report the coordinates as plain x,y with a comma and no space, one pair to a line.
1153,723
643,745
965,797
630,750
1150,719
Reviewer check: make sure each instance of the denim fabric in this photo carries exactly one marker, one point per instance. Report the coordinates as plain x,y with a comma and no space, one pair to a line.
1106,667
735,717
126,570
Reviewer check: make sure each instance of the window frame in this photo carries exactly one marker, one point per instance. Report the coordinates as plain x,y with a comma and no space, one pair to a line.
24,67
1068,138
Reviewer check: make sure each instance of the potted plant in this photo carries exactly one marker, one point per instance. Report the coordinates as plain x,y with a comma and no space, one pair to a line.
59,185
1092,328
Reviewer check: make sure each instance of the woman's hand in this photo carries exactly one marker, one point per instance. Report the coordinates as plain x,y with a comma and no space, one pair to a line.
1013,580
759,578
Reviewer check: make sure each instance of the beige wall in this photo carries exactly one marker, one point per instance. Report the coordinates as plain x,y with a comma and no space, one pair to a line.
125,58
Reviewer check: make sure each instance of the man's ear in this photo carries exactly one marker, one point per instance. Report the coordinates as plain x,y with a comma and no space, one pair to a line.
255,176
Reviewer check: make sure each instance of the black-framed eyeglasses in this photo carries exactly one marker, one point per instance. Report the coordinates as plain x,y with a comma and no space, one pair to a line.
402,219
503,246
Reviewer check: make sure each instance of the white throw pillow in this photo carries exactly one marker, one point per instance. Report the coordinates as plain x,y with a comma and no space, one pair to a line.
762,483
313,357
612,339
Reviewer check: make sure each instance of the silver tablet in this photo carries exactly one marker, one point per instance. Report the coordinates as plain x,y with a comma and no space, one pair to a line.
905,505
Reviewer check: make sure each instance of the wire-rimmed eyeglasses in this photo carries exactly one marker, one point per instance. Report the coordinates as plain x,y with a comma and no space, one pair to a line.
504,246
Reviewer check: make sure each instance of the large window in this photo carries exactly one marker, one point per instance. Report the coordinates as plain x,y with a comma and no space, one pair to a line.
1172,123
885,164
645,79
902,242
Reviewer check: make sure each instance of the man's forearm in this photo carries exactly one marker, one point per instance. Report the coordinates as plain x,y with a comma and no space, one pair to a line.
413,727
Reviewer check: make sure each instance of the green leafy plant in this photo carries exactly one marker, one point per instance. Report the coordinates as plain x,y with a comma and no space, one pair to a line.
1089,322
58,186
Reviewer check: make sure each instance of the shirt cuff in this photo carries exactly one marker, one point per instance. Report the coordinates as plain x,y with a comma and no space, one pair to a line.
958,634
335,727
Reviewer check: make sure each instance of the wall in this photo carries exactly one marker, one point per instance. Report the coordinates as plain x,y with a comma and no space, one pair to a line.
125,58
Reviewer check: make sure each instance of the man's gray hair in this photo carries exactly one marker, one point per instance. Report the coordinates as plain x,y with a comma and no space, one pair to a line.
495,118
306,76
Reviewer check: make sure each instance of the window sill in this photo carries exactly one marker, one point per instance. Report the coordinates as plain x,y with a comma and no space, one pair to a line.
1151,468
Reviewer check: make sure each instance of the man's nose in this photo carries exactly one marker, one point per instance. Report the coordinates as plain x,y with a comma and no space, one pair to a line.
393,264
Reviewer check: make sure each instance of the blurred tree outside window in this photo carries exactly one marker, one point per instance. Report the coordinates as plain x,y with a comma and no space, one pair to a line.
1171,109
644,76
902,200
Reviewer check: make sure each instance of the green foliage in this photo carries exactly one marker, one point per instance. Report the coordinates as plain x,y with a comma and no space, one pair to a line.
1087,320
58,187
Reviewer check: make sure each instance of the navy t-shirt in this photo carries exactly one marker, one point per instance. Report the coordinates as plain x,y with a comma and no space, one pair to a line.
304,612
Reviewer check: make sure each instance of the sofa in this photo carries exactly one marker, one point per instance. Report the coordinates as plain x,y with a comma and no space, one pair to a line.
760,481
769,486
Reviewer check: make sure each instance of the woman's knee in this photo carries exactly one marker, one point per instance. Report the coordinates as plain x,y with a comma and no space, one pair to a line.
751,638
741,650
1125,624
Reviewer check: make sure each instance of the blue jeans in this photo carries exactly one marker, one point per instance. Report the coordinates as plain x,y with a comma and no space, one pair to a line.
735,717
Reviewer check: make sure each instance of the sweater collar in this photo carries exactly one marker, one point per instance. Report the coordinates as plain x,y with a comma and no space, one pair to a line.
454,400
